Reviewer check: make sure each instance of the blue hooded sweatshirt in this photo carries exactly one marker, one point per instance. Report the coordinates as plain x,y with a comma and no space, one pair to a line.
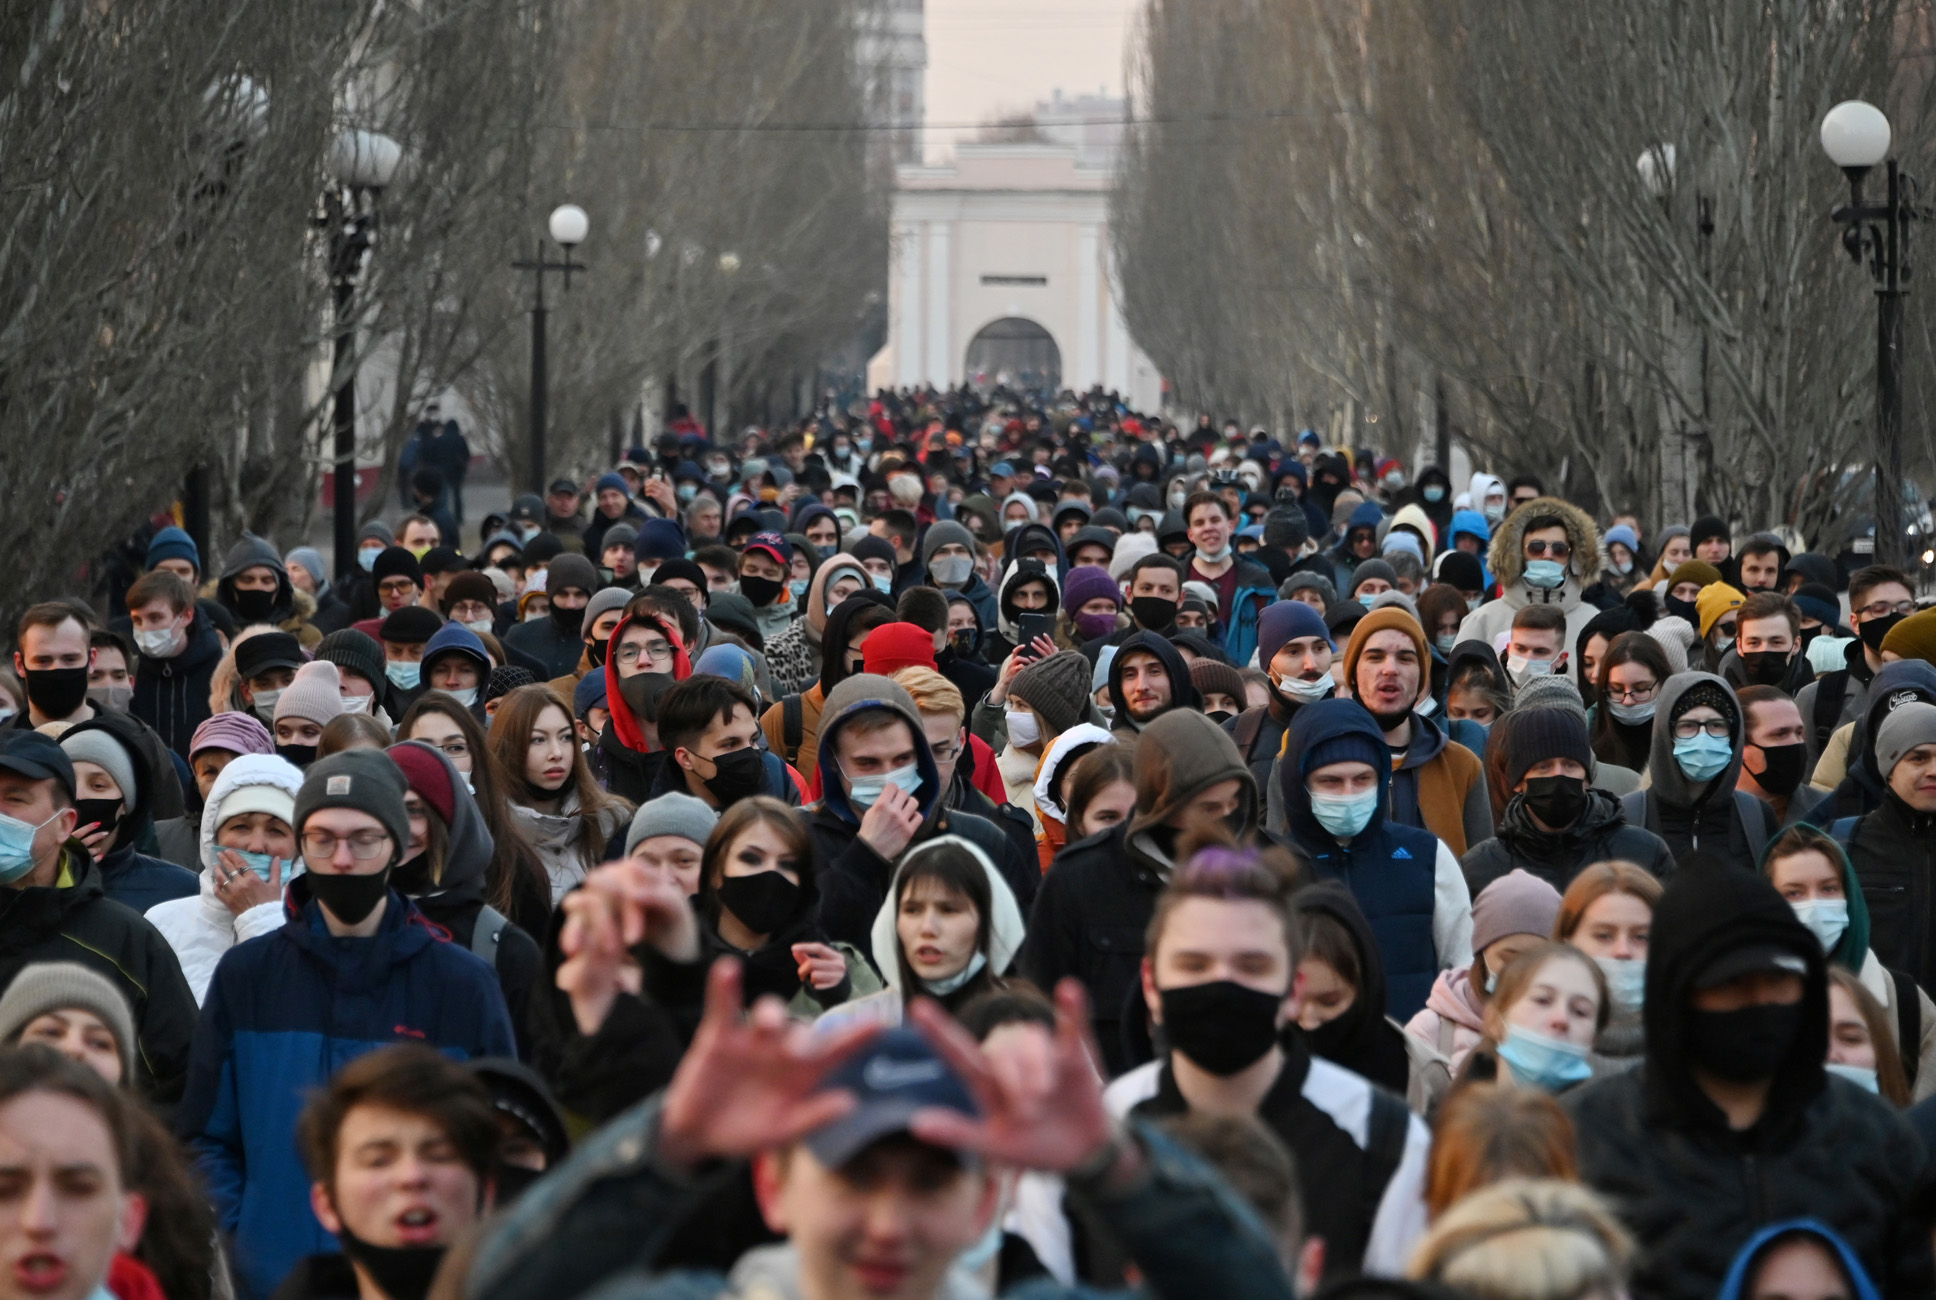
283,1013
1736,1285
1390,869
1471,521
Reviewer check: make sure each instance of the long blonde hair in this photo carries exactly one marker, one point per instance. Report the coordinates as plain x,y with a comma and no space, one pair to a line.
1527,1239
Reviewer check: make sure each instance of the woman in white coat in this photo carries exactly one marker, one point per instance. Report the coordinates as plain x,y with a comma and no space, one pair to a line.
248,853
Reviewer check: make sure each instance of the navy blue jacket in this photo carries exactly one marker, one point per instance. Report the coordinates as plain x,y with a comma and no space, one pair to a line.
1389,869
283,1013
171,695
139,881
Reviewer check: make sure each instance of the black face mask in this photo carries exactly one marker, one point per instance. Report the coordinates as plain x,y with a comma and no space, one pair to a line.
1874,629
253,605
736,776
1743,1046
1684,609
1153,613
401,1272
105,811
301,755
1220,717
512,1181
349,898
1785,764
1222,1026
965,642
56,692
1556,800
571,622
764,902
412,878
641,692
761,591
595,651
1766,667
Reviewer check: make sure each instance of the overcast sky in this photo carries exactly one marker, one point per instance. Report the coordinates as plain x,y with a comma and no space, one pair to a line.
990,57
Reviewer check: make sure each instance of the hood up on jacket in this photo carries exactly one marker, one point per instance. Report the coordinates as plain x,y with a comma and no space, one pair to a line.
1905,681
467,855
856,695
1005,927
1367,514
1414,518
1861,1286
1703,915
247,554
1472,650
136,810
823,577
241,772
1507,558
1019,572
1183,692
834,637
1361,1040
1026,537
1071,747
1673,785
1477,525
1181,755
1314,724
1480,486
962,599
455,638
625,724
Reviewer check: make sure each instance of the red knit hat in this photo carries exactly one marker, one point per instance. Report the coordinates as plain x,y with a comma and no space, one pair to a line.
894,646
423,768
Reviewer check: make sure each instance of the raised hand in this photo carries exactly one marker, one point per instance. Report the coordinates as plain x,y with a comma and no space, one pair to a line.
621,905
751,1082
891,824
820,965
239,888
1040,1096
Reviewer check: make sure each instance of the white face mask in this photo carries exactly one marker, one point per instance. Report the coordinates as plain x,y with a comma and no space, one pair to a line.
357,703
1022,727
1303,690
481,626
465,697
161,643
265,706
1524,669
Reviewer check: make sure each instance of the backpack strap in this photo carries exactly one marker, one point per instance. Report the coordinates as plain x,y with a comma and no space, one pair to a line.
1842,830
1829,689
1641,809
1249,723
1753,815
485,935
793,727
1909,1024
1385,1134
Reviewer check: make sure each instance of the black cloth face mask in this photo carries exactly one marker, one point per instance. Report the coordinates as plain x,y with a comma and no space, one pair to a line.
56,692
105,811
401,1272
1153,613
349,898
301,755
764,901
1745,1045
761,591
253,604
1223,1026
1874,629
736,775
569,621
1785,765
1557,801
1766,667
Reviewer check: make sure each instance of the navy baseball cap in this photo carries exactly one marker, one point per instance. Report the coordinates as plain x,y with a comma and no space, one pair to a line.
774,544
36,757
1001,469
894,1078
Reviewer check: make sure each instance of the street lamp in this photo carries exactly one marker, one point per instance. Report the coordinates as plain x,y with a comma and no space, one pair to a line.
1856,137
568,227
363,163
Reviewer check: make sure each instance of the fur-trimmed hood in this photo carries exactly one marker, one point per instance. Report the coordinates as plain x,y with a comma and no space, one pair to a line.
1507,555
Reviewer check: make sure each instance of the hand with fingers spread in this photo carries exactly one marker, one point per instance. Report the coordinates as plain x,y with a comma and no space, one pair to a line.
239,888
620,906
751,1081
1040,1096
892,823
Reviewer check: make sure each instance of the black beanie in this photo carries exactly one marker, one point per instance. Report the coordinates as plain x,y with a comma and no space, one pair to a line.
396,562
542,549
1462,572
411,625
686,569
357,651
1539,734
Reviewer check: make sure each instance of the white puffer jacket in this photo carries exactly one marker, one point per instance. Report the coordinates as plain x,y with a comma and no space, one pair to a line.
202,928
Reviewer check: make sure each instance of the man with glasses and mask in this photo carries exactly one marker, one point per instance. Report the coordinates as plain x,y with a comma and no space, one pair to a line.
1694,766
355,967
1879,598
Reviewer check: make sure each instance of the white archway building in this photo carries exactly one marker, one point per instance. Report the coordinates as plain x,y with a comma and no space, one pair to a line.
1007,234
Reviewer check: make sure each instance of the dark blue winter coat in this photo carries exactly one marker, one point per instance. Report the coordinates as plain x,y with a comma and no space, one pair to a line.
171,695
138,881
1390,869
283,1013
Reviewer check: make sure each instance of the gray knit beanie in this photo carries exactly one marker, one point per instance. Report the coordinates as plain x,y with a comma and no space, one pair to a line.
684,815
363,779
98,746
53,985
1057,688
1910,725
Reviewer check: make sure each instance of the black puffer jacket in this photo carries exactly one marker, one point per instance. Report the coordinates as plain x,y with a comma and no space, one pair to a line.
1893,851
1602,833
1694,1190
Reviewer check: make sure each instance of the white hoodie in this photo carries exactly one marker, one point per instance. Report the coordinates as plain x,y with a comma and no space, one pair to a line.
202,928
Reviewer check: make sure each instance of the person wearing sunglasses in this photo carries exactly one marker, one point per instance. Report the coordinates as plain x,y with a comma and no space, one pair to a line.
1543,554
356,966
1692,802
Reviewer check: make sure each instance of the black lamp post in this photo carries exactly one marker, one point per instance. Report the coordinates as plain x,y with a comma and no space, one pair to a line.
568,225
1856,138
364,163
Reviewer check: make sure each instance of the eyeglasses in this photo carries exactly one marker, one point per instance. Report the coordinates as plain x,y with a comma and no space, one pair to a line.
1883,609
1687,728
631,654
364,845
1540,550
1635,695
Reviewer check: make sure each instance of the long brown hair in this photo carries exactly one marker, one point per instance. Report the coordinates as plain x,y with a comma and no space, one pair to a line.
511,857
1892,1080
763,809
1487,1132
510,739
1595,883
1093,773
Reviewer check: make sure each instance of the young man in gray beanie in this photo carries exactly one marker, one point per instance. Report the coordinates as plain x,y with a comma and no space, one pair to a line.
1892,848
355,967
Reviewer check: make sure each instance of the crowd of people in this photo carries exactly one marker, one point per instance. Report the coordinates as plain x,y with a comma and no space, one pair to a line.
973,847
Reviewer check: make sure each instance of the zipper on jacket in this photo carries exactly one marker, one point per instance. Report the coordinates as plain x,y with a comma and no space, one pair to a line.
1753,1175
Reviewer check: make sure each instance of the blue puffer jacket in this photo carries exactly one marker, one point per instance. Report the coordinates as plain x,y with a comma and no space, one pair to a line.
1254,591
1390,869
283,1013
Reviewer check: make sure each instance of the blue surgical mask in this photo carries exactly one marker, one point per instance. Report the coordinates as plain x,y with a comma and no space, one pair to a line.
1626,981
1703,756
1826,919
883,583
1545,574
1433,494
1445,641
264,863
1345,815
1860,1076
687,491
17,847
403,674
367,557
863,791
1544,1062
1366,597
798,587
